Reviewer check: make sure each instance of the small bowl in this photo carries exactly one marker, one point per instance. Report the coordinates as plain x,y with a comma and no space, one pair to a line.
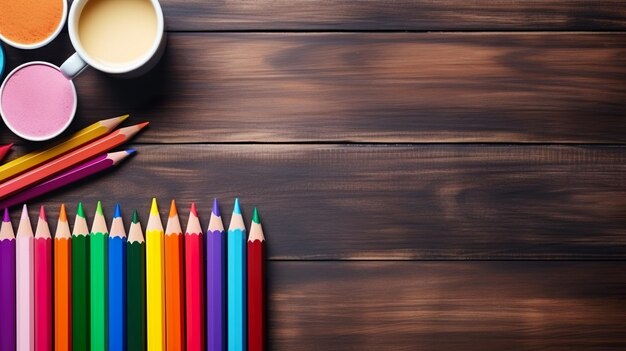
1,60
30,137
44,42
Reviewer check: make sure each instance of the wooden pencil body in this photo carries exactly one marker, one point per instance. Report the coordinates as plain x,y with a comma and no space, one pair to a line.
98,287
7,294
155,290
24,293
256,295
136,296
174,293
80,292
194,283
117,293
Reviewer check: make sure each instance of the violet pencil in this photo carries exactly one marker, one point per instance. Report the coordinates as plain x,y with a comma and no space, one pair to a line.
96,165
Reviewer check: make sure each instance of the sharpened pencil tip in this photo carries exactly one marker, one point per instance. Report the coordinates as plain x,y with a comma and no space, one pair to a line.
236,207
24,212
135,217
193,209
142,125
255,216
216,208
63,213
42,213
80,211
130,151
118,211
173,211
154,209
123,117
99,208
6,217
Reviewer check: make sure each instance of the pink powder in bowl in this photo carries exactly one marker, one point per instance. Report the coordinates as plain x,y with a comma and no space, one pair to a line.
37,101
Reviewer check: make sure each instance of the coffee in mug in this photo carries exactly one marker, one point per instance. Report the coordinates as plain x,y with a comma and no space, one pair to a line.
124,37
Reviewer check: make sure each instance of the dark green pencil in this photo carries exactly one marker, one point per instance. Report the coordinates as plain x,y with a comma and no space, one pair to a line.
136,287
80,281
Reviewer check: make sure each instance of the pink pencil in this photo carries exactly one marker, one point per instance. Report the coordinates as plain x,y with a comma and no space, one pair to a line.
43,284
4,149
24,285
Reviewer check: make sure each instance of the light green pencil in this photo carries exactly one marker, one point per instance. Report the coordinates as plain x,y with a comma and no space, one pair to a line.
98,253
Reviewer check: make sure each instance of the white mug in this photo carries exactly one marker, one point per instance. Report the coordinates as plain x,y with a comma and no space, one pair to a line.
78,62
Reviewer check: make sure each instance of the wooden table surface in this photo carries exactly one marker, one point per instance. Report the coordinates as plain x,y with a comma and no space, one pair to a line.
432,175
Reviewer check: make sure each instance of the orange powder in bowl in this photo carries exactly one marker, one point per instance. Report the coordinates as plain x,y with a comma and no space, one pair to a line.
29,21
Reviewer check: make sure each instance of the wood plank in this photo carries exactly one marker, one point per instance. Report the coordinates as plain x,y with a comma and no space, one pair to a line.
447,306
402,87
397,15
390,202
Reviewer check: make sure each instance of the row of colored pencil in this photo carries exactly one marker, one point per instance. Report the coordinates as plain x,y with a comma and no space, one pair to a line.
79,156
100,290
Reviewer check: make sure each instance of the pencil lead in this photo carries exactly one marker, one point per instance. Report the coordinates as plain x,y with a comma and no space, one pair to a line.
216,208
135,217
193,209
255,216
173,211
80,211
118,211
42,213
24,212
6,217
99,208
154,209
236,207
63,213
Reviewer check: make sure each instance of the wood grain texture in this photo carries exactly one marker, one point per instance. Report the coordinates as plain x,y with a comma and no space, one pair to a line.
447,306
389,202
394,87
199,15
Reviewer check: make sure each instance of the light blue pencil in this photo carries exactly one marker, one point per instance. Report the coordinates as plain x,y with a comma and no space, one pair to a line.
117,283
236,244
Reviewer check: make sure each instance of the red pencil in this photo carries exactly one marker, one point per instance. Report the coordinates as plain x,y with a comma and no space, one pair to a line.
4,149
256,285
194,282
43,284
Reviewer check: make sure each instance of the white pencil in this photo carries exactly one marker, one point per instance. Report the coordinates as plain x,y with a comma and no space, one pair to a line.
25,284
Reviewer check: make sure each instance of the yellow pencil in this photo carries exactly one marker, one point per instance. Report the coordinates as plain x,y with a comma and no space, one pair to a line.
155,278
83,136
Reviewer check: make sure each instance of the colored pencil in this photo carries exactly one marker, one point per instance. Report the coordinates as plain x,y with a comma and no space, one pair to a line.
73,175
80,281
194,283
25,284
216,282
43,284
256,285
7,284
68,160
174,293
62,283
117,283
98,281
74,141
136,283
4,149
155,278
236,276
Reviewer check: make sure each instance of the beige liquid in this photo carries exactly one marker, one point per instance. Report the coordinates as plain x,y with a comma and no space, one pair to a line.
117,32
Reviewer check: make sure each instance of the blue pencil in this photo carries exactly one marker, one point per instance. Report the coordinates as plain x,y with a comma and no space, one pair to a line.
117,283
215,282
236,244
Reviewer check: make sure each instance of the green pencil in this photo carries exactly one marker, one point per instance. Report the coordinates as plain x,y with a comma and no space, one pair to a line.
80,281
135,287
98,253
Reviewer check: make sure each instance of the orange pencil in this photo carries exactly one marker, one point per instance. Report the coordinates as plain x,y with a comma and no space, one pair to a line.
63,283
70,159
174,299
43,284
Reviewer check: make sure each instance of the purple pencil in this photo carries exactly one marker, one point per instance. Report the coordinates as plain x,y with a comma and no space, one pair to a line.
215,282
7,284
86,169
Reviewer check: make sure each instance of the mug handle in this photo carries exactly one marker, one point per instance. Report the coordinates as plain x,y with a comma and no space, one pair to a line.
73,66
